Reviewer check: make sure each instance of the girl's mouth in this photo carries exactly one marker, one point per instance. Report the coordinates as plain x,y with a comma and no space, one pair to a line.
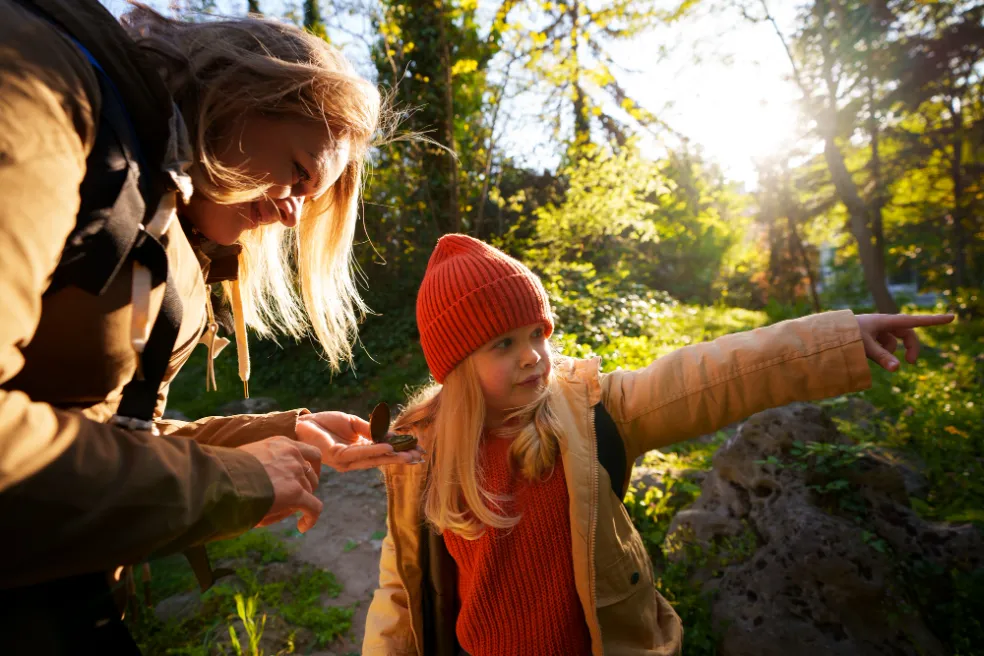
531,381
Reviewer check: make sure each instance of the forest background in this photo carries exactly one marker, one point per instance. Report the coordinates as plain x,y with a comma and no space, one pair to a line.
674,170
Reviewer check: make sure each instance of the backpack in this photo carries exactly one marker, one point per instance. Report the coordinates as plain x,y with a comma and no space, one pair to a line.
120,194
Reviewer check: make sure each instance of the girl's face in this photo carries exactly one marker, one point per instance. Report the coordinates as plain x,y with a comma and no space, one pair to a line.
512,370
297,157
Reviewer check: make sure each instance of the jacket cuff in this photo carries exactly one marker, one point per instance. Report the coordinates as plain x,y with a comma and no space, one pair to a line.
253,492
846,333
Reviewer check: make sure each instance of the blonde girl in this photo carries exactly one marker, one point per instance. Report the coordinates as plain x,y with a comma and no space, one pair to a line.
510,539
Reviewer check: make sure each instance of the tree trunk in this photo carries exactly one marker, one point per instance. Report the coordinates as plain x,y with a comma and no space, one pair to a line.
450,209
253,7
958,236
872,262
811,278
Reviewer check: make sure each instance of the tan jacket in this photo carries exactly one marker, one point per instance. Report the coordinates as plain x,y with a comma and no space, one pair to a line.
693,391
80,495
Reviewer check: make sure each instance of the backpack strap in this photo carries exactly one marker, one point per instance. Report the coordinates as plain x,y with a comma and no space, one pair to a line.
611,449
121,196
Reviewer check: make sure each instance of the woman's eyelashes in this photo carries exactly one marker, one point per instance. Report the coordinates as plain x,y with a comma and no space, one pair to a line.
503,344
301,174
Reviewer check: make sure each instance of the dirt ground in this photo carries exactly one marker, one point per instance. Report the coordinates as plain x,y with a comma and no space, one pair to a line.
346,541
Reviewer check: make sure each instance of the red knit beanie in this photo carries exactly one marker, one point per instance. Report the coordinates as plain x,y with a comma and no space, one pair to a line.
471,293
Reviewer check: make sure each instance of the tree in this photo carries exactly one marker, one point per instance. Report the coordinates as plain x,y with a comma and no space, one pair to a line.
433,60
937,63
313,22
253,7
564,47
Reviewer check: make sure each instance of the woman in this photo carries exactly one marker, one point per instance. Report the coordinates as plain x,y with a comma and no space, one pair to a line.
275,124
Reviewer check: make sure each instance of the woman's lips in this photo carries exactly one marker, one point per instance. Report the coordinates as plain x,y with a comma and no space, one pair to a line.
251,217
532,380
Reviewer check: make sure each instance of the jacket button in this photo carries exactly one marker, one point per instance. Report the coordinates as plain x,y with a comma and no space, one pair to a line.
635,578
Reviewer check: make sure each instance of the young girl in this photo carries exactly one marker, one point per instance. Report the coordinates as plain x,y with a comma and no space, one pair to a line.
511,540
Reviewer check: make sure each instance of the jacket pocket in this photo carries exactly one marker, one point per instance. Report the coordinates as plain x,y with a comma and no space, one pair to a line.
632,616
623,566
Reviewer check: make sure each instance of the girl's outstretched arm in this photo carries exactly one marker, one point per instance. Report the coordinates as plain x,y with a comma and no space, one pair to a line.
701,388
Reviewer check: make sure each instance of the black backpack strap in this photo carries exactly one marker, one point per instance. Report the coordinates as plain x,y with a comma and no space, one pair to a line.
440,603
120,195
611,449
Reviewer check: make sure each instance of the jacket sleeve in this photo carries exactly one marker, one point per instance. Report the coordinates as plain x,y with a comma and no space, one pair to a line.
388,628
702,388
234,430
84,496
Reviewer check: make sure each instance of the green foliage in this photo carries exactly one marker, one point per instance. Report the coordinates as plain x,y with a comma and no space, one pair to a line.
254,630
936,413
825,463
258,543
305,609
253,596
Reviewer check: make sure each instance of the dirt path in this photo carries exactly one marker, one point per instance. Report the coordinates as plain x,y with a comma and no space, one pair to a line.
346,541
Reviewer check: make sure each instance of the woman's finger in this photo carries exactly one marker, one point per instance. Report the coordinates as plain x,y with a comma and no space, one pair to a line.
313,476
311,454
349,455
358,426
310,507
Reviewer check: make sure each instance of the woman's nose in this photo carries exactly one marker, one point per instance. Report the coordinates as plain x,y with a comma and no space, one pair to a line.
285,210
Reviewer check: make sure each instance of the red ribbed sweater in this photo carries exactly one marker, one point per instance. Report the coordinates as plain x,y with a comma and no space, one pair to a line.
517,587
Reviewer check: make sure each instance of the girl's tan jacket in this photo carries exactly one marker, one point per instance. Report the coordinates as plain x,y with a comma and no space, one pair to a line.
693,391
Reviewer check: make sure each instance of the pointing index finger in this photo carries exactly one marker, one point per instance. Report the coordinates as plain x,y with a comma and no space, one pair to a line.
898,321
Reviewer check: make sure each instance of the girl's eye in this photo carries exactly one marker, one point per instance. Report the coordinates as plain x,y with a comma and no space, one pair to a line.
538,333
302,173
504,344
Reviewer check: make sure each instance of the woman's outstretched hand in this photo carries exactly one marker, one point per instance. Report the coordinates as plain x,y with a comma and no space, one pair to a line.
881,334
345,445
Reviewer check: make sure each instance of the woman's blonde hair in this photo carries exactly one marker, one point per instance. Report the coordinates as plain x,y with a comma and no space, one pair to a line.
453,415
219,70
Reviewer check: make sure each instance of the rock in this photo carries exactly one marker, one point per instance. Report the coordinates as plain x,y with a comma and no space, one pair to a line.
256,405
177,415
819,572
179,607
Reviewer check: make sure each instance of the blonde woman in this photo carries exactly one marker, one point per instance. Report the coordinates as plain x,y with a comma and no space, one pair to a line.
512,540
140,165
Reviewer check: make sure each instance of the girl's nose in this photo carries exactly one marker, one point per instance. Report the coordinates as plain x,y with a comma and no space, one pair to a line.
285,210
530,357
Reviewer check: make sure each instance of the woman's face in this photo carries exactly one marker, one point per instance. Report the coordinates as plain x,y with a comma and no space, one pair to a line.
296,156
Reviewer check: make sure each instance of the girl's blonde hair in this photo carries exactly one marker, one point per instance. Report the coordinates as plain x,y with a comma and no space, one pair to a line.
219,70
454,415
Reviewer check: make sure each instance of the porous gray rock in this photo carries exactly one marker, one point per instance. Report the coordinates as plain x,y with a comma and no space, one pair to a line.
818,571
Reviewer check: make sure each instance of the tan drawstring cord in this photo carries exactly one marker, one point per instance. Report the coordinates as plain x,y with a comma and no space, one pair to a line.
242,345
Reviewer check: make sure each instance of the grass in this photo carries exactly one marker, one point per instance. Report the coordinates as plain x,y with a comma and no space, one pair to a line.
294,603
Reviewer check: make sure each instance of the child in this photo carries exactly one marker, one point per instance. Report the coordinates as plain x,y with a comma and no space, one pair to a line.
511,539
